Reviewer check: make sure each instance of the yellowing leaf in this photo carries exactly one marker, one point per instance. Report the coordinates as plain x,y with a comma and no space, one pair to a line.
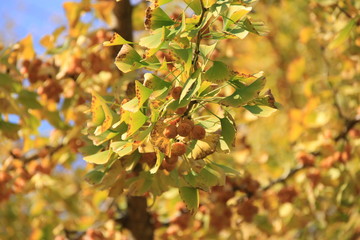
343,35
200,149
97,113
103,10
116,40
236,13
142,93
136,121
158,139
72,11
296,70
128,59
157,18
27,48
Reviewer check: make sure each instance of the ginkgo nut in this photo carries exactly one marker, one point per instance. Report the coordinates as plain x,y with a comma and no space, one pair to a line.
176,92
170,131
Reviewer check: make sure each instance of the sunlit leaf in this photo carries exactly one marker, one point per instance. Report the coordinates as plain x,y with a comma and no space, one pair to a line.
157,18
99,158
199,149
191,86
116,40
260,110
160,87
343,35
72,11
128,59
235,13
195,5
97,112
142,93
245,94
103,10
136,121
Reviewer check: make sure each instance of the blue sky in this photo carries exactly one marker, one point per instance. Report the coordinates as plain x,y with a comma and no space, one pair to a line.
21,17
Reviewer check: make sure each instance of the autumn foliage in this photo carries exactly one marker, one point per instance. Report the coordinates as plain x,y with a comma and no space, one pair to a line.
218,120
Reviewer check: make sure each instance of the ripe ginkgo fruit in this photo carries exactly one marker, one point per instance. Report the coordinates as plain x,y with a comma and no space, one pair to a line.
184,129
181,110
178,149
198,132
149,158
187,121
168,166
176,92
172,159
170,131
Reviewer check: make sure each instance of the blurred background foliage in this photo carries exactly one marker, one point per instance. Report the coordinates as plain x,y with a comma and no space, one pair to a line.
310,148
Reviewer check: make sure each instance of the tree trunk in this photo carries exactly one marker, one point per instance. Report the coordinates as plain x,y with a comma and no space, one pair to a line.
137,219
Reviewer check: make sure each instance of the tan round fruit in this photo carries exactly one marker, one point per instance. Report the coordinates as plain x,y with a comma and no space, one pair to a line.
184,129
172,159
187,121
176,92
178,149
181,111
148,158
170,131
168,166
198,132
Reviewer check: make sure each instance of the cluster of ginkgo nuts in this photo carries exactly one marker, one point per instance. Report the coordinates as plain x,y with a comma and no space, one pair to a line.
184,128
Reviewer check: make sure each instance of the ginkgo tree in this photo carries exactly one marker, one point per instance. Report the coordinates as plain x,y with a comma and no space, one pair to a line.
179,132
181,112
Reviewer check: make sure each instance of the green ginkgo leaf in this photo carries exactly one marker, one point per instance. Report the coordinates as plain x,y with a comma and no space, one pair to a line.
218,73
128,59
159,86
235,13
190,196
136,121
142,93
99,157
94,177
260,110
122,148
195,5
343,35
157,18
191,86
228,131
243,95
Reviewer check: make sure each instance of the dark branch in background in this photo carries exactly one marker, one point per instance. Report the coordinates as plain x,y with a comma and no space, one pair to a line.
25,160
343,11
349,125
285,177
